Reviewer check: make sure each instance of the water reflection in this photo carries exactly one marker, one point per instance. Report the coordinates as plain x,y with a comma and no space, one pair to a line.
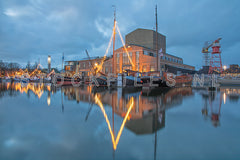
213,102
142,114
36,88
232,94
131,111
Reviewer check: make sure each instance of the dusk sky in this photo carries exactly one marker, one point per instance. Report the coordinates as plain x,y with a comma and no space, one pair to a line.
33,29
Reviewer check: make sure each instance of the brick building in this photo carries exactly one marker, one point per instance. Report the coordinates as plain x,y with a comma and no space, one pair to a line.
141,46
145,60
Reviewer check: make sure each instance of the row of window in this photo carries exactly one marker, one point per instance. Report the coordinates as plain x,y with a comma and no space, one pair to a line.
126,59
171,59
149,53
163,57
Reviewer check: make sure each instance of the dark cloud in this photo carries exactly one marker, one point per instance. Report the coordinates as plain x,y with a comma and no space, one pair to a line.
33,29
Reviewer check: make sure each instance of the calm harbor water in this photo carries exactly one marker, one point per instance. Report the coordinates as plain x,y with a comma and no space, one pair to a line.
43,122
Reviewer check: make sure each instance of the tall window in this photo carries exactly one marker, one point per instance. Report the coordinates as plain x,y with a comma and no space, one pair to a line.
152,68
106,70
144,68
137,61
117,58
126,59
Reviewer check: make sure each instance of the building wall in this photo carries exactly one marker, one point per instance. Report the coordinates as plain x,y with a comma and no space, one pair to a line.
144,60
146,38
85,66
107,66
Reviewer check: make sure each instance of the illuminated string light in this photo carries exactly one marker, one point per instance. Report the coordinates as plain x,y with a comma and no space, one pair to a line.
109,45
114,142
124,121
123,43
99,67
99,103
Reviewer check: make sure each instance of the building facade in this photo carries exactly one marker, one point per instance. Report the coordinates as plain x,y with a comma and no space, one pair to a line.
145,60
141,56
85,67
146,38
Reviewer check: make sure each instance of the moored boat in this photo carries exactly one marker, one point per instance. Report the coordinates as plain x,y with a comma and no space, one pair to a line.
228,81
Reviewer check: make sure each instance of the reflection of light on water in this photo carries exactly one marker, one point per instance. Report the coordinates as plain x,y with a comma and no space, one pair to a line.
36,89
224,97
48,100
115,142
49,88
8,85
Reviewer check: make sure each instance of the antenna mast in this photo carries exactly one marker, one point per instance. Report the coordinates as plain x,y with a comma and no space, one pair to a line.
157,41
114,30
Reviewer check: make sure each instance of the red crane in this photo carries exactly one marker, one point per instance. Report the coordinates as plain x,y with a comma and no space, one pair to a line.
215,60
215,64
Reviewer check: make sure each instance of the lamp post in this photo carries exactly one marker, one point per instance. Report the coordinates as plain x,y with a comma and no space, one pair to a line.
49,64
224,67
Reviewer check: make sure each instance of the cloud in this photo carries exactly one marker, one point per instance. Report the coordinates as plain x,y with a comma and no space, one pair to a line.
63,15
36,28
104,26
21,11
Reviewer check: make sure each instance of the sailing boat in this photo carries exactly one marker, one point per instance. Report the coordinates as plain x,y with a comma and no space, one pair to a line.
157,81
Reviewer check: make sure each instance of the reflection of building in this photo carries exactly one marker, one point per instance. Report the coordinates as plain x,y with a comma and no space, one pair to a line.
142,56
233,94
147,124
145,110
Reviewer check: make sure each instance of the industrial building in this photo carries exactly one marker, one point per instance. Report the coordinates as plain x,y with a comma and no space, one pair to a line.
141,57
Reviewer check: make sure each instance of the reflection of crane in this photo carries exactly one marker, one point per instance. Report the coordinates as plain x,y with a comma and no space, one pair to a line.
215,108
215,62
215,104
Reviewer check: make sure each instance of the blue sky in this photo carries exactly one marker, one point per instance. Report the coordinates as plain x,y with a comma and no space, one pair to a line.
33,29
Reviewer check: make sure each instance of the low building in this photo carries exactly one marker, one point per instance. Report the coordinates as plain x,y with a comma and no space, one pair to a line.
85,66
145,60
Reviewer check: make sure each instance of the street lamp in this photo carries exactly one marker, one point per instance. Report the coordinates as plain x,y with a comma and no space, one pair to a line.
224,67
49,64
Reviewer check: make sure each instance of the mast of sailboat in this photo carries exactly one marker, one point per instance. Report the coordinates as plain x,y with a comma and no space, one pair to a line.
158,62
62,61
114,29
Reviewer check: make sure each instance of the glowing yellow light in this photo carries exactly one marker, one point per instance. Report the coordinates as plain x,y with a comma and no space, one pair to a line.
49,88
123,43
224,97
99,103
124,121
224,67
48,100
109,44
49,59
37,90
115,142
